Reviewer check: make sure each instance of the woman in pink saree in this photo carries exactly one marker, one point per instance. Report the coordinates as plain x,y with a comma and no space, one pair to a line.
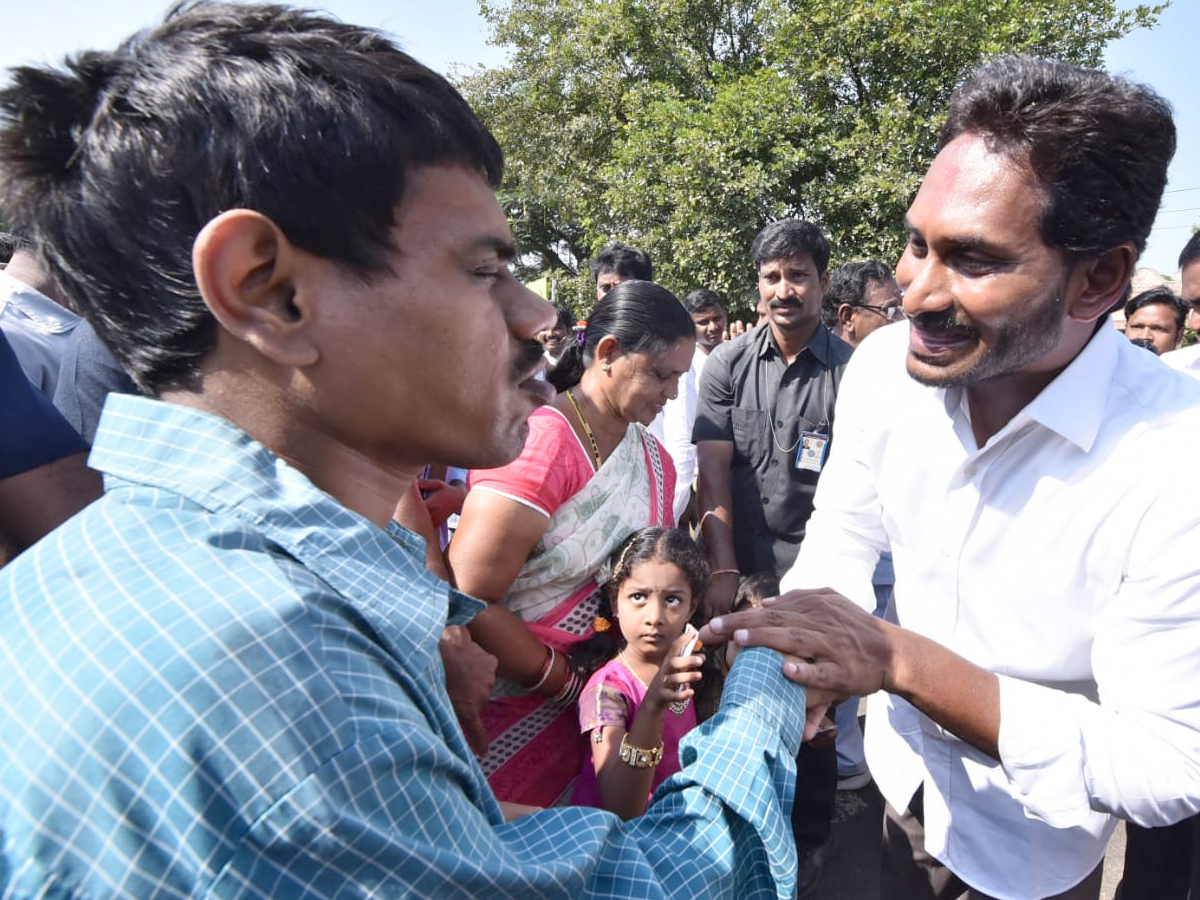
534,534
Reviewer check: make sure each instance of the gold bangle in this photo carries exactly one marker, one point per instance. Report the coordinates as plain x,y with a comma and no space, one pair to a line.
639,757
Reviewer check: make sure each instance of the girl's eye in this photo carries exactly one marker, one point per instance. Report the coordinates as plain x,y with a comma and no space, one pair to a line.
674,600
637,596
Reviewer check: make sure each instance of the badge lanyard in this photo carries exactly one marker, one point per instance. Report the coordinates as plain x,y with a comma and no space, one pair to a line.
811,447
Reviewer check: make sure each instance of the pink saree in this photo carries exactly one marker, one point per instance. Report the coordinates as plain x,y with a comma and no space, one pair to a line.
535,749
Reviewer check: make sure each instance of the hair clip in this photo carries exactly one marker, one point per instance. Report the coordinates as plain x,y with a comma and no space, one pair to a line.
601,624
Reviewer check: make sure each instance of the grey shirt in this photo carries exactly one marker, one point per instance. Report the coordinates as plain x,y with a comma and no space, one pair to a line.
749,395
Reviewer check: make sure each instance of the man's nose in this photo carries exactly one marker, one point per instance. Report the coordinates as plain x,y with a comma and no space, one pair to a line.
529,316
922,284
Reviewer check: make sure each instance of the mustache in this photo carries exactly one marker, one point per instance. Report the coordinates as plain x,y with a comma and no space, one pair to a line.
527,358
786,302
940,324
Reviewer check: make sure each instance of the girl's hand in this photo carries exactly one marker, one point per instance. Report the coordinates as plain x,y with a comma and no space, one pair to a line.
677,676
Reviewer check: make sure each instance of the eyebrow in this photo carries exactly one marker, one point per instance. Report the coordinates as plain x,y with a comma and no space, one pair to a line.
502,248
966,241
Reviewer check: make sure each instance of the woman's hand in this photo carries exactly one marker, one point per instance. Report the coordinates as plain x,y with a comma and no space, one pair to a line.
442,499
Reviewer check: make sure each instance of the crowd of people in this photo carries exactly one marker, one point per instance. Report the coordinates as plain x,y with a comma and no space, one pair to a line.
254,661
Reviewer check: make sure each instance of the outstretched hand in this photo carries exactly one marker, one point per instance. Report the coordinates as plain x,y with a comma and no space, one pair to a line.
830,645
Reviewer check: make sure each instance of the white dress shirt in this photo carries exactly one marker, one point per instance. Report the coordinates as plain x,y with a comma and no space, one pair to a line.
37,329
1186,360
1062,556
673,428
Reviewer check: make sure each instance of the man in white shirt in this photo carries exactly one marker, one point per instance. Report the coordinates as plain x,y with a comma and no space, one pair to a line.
1188,359
1043,679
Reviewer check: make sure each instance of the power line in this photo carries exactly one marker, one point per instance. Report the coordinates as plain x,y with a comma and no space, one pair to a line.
1181,190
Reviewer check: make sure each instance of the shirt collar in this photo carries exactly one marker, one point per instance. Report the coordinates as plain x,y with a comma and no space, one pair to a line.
48,316
818,344
1073,404
216,465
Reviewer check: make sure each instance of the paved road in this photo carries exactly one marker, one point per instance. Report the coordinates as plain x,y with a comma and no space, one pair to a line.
853,872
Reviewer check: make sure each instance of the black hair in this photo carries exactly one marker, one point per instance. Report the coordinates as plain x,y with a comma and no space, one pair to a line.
566,317
654,543
702,300
791,237
754,589
848,283
643,316
1163,295
1099,145
626,261
1190,252
113,164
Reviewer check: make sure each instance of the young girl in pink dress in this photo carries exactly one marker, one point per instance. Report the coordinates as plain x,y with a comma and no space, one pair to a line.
635,708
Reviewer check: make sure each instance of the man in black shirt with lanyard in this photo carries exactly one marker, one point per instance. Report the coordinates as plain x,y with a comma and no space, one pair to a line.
764,422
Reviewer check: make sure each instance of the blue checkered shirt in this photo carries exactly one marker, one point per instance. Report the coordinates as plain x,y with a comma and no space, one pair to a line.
216,681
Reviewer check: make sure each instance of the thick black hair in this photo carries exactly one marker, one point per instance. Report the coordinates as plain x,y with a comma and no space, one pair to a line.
790,237
1163,295
643,316
848,283
113,164
1099,145
1190,252
702,300
626,261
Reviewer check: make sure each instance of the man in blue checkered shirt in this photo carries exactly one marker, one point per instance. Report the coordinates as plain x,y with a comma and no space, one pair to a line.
222,678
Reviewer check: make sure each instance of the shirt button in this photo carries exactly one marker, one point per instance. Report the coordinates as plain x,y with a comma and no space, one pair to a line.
779,423
766,500
774,462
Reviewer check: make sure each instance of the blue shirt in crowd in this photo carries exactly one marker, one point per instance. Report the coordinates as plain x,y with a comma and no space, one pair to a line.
219,682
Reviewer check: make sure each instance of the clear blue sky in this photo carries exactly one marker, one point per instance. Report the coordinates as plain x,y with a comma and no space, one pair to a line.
448,33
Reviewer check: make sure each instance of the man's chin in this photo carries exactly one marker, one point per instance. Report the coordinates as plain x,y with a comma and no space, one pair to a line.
939,372
503,447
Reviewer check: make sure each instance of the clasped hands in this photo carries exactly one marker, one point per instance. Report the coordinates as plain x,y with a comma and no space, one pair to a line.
830,645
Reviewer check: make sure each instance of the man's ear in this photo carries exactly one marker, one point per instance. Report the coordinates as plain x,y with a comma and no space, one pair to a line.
1097,283
246,270
845,314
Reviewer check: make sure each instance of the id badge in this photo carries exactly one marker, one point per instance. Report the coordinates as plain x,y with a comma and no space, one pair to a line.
810,455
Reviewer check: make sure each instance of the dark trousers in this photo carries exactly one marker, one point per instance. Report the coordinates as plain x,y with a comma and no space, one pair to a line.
816,791
908,872
1162,863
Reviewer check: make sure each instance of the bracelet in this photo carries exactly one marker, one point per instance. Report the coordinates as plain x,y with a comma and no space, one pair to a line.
570,690
547,666
639,757
724,572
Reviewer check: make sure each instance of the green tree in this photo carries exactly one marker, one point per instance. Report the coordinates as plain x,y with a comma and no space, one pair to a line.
682,126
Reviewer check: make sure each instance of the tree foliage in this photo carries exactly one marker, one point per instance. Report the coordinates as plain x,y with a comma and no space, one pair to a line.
682,126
